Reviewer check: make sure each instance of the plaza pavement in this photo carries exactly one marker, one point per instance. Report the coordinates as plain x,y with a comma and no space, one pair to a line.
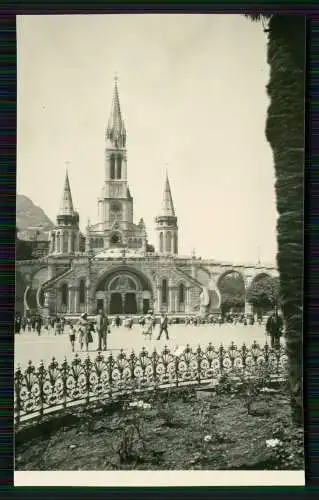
30,346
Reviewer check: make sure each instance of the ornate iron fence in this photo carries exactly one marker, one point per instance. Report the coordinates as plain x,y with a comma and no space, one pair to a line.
42,390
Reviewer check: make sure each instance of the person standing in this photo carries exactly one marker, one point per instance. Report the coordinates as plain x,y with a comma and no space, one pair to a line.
72,334
153,319
49,324
163,326
274,328
33,322
38,324
102,325
147,328
141,321
23,323
17,323
46,324
29,324
84,331
58,327
53,323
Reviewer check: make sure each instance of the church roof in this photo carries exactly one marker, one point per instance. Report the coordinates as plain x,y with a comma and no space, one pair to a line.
115,131
66,207
167,203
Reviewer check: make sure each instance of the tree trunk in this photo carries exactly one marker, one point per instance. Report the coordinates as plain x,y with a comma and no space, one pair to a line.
285,133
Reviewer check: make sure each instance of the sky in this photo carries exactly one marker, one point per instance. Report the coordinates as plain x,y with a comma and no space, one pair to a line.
193,96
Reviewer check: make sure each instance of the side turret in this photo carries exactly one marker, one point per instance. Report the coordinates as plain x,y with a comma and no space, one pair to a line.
166,224
65,237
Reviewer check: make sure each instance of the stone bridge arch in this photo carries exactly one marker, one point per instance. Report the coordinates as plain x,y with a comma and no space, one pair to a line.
259,276
218,270
34,299
226,272
219,281
30,276
203,275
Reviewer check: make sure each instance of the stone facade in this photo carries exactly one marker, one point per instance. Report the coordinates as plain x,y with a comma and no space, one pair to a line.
110,267
126,284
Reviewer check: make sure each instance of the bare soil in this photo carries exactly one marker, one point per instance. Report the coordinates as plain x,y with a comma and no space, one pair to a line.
181,431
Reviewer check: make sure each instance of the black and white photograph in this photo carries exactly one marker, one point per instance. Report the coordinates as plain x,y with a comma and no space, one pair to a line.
159,250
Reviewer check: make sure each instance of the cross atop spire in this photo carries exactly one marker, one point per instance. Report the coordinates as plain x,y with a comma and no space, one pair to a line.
66,207
167,204
115,131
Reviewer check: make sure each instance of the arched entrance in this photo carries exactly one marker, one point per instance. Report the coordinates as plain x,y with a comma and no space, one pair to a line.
130,305
124,291
147,300
116,305
231,286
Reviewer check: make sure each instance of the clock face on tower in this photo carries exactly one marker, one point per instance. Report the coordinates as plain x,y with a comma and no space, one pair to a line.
116,207
116,210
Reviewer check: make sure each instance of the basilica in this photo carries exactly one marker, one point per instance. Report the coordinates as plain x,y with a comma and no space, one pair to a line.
112,266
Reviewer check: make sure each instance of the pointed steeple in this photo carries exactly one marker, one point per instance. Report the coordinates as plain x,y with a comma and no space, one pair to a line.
66,207
115,131
167,203
67,241
166,224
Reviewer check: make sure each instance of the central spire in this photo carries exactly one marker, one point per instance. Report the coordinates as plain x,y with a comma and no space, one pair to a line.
115,131
66,207
167,203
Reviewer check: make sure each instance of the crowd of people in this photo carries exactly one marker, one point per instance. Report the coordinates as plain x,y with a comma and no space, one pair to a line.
35,323
32,323
85,327
102,326
221,319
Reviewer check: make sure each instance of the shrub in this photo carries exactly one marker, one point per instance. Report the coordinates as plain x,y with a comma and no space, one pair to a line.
131,428
287,446
245,384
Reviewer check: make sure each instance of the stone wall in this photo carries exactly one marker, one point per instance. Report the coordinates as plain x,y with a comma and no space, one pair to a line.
153,269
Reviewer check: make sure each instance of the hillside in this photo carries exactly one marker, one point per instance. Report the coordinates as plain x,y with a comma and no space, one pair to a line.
29,215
